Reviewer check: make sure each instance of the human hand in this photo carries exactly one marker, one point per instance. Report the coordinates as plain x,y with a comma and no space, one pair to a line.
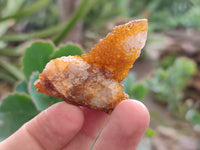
68,127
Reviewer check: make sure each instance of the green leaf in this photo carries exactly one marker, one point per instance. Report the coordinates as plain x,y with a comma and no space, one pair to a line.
150,132
36,57
168,61
193,116
66,50
128,83
169,84
139,91
42,101
15,110
22,87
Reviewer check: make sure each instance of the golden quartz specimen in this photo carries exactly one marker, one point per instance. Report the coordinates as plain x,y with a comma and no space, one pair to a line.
93,80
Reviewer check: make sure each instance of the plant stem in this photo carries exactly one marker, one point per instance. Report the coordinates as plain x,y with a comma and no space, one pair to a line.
6,77
38,34
11,69
10,52
66,26
78,14
28,11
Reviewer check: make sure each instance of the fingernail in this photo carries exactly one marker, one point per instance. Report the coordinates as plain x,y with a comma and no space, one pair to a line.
138,102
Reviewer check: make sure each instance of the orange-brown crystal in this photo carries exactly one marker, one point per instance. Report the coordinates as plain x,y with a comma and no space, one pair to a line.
119,49
93,80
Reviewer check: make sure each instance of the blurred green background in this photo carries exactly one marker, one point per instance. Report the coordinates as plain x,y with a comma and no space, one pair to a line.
166,77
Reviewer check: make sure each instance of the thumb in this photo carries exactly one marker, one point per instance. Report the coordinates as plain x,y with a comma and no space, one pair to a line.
52,129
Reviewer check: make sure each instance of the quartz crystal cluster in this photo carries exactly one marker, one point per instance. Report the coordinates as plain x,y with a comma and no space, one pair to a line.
93,79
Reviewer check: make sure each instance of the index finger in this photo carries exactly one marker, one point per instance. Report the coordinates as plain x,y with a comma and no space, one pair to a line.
125,127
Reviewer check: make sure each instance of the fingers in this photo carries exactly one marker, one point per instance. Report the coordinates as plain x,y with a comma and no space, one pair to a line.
61,126
125,127
93,124
52,129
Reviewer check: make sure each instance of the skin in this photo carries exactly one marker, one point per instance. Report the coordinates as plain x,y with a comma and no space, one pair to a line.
68,127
